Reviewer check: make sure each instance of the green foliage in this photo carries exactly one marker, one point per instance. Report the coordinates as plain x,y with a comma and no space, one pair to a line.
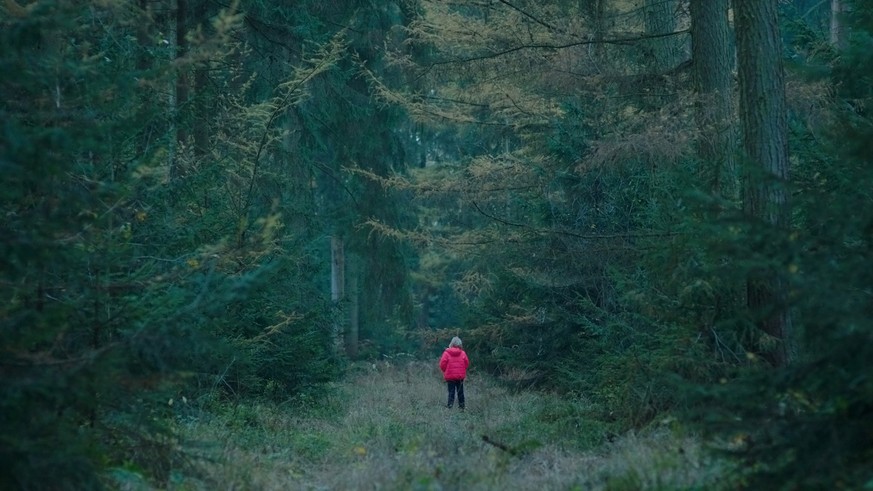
540,220
136,270
166,213
386,426
80,310
338,130
807,425
591,256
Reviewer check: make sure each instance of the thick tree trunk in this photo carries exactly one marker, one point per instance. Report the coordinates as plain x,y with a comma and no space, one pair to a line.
713,59
763,120
660,18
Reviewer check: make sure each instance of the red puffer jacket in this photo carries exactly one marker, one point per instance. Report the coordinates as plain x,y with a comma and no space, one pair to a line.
454,363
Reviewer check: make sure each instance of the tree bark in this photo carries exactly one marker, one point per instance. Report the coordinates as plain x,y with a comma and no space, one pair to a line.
337,284
354,306
660,18
837,27
201,105
713,63
143,63
763,119
598,16
182,82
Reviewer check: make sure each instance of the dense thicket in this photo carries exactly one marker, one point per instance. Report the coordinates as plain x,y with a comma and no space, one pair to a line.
92,314
558,182
594,232
173,172
564,192
808,426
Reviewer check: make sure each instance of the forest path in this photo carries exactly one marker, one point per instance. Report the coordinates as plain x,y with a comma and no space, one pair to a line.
387,427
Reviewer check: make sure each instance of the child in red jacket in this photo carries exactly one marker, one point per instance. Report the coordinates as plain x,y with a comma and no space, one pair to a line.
454,363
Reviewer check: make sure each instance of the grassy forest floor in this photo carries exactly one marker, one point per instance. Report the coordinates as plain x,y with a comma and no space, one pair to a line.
386,427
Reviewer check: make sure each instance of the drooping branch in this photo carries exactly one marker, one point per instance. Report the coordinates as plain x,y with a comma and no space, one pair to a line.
328,58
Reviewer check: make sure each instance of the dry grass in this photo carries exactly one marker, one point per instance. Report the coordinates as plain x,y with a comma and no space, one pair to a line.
388,429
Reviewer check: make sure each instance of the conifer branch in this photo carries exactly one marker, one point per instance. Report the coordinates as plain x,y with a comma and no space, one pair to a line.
328,58
572,234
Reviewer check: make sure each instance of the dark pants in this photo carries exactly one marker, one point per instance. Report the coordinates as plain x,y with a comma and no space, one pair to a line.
453,386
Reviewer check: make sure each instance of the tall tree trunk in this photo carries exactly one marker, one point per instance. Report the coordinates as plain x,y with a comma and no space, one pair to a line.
763,120
201,108
837,26
191,115
143,63
660,18
713,59
597,11
337,284
182,82
354,306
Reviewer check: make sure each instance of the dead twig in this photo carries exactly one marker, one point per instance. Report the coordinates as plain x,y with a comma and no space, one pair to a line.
501,446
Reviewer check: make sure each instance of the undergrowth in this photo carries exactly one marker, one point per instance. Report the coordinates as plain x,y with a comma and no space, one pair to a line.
387,427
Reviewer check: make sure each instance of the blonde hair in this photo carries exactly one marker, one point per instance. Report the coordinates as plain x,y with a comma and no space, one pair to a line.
456,341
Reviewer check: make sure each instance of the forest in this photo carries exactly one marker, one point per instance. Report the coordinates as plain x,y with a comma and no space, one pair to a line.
236,236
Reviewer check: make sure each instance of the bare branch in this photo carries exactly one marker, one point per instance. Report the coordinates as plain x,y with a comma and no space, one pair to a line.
528,15
620,41
501,446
